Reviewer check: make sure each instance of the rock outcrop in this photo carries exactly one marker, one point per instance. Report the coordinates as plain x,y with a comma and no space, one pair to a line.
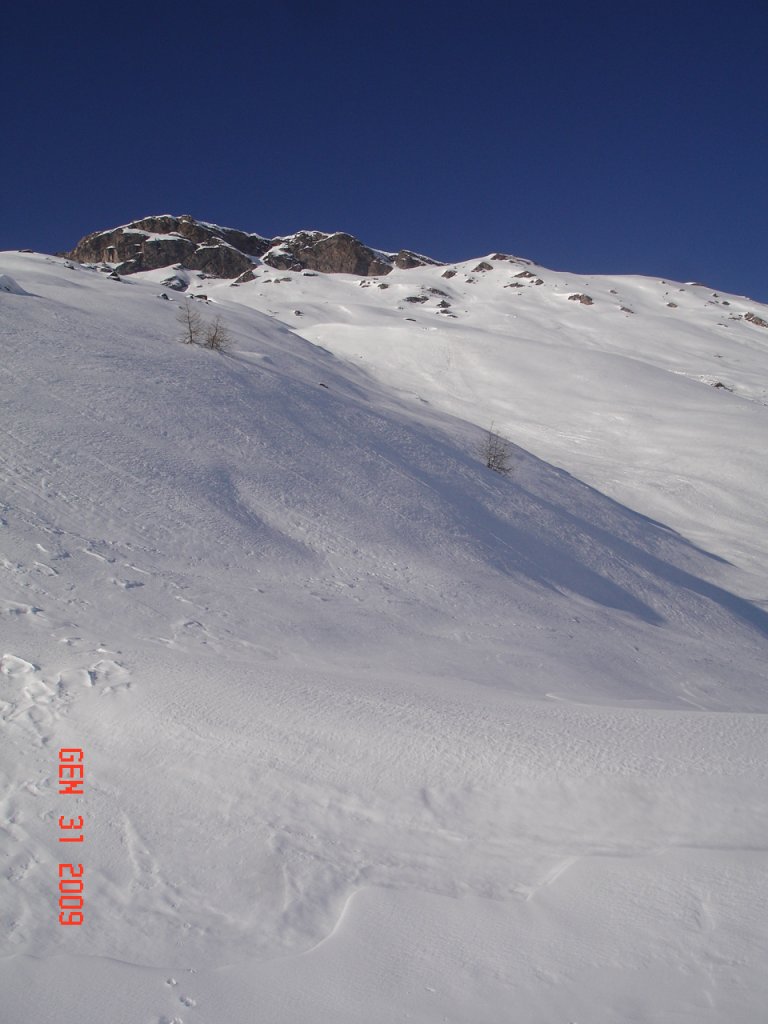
169,241
338,253
166,241
407,260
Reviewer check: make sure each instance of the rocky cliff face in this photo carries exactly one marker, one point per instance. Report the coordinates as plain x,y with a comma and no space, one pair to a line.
328,254
167,241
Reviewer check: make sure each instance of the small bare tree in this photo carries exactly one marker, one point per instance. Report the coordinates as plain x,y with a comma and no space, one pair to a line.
496,452
216,335
192,327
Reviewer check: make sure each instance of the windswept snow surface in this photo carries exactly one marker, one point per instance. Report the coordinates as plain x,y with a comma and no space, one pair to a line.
371,732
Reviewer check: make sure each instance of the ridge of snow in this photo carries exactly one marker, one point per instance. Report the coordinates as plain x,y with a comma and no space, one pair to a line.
10,286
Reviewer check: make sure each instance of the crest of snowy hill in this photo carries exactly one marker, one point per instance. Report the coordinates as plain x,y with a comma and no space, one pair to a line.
367,723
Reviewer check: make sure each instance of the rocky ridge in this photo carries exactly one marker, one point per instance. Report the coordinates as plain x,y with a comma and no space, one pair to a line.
169,241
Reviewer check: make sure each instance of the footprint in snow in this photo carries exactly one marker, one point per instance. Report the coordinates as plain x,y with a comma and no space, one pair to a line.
26,700
33,701
44,569
13,608
127,584
95,554
73,679
109,676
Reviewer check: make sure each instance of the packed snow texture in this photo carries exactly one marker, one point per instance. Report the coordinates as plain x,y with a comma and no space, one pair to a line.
372,732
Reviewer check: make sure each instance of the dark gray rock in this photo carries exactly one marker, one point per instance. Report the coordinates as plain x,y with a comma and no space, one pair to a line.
166,241
219,261
339,253
407,260
175,283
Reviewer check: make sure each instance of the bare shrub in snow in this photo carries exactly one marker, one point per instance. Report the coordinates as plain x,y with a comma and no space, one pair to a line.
196,330
192,326
216,335
496,452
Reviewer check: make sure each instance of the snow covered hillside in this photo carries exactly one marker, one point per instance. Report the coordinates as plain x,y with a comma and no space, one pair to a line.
370,731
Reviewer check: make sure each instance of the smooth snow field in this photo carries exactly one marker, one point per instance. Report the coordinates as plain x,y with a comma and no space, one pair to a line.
371,733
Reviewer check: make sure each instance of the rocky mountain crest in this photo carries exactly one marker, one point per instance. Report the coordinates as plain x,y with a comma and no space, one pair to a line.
169,241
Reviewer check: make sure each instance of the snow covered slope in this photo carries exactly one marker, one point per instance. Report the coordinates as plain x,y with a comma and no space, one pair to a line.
368,728
655,392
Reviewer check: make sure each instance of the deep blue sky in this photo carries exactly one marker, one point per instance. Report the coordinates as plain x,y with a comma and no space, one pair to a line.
619,137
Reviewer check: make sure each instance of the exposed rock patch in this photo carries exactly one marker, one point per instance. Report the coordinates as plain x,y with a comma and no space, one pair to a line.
339,253
176,282
166,241
407,260
245,277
